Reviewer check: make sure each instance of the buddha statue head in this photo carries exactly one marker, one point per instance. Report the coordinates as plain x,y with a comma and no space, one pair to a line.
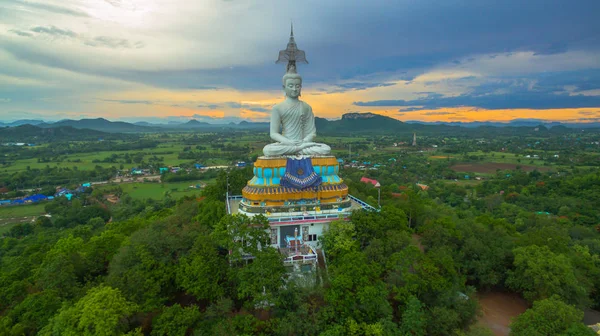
292,85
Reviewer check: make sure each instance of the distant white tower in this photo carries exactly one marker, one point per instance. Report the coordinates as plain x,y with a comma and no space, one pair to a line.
414,139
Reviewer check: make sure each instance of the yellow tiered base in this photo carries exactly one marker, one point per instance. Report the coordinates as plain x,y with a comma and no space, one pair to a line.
264,189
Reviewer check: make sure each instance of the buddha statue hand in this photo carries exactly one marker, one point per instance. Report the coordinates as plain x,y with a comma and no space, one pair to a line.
304,145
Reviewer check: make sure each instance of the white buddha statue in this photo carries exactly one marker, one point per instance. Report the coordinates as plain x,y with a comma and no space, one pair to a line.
293,124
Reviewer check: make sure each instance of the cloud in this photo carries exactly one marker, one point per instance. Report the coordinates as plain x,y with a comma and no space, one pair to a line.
252,115
115,43
54,31
552,49
589,112
50,8
20,32
125,101
411,109
353,86
539,91
516,100
99,41
5,100
258,109
209,106
438,113
173,47
233,105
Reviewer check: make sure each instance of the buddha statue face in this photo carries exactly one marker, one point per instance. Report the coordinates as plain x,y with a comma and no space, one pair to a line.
292,86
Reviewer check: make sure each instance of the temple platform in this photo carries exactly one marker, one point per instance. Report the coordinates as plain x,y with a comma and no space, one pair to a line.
297,217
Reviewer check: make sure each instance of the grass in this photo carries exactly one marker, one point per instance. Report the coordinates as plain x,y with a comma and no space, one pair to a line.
169,152
22,210
12,215
139,190
502,157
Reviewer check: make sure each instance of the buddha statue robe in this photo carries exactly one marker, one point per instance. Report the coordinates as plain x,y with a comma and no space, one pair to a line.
296,121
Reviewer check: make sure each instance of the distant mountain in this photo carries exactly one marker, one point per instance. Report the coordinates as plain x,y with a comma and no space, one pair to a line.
194,124
103,125
511,123
22,122
362,123
144,123
32,134
349,123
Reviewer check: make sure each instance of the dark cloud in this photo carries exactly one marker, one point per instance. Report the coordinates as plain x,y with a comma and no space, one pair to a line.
438,113
233,105
552,49
210,106
410,109
583,80
354,86
539,91
372,39
516,100
54,31
50,8
20,32
114,43
126,101
258,109
98,41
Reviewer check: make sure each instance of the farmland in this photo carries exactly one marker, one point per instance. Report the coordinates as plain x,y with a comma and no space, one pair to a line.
492,167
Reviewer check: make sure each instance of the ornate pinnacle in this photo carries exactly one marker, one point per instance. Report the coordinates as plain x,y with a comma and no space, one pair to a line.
291,54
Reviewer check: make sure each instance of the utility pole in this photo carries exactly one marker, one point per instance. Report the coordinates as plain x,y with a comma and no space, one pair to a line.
378,186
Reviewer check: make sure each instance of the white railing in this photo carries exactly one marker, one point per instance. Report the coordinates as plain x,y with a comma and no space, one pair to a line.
305,217
309,257
227,203
363,204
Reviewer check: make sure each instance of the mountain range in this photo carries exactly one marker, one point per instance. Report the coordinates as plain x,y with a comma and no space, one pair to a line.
349,123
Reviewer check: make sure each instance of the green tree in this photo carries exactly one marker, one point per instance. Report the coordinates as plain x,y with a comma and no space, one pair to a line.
550,316
262,279
539,274
242,235
339,238
414,318
103,311
63,267
31,314
175,321
203,272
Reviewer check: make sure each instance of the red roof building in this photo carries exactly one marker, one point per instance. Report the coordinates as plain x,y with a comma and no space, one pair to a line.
368,180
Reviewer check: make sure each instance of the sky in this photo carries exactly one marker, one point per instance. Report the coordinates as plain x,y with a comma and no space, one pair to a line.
214,60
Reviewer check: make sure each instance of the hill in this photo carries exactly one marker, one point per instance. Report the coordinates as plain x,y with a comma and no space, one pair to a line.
103,125
363,123
192,124
34,134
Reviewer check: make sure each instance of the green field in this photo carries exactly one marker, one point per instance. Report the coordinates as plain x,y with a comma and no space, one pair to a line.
12,215
158,191
22,210
84,161
502,157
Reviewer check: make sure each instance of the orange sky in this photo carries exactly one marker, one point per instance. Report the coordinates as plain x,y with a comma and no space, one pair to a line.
328,105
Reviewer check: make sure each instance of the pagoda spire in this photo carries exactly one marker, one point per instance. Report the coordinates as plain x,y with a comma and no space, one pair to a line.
291,55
